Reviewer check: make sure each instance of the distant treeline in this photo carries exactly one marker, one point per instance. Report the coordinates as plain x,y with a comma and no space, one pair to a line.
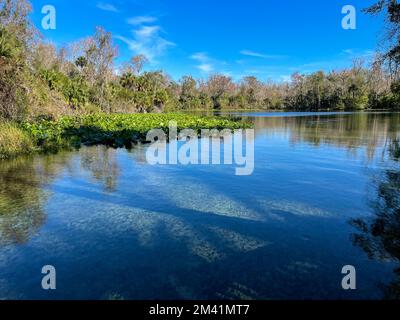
39,80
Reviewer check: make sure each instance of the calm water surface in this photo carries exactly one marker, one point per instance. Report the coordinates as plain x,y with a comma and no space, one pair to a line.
324,194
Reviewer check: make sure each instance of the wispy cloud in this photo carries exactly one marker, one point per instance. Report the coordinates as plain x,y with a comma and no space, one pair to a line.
363,54
147,40
205,62
255,54
348,51
139,20
107,7
342,60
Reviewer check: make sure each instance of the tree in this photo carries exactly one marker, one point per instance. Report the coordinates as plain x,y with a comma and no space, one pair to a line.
15,34
137,63
252,91
189,95
219,87
391,8
14,17
81,62
99,52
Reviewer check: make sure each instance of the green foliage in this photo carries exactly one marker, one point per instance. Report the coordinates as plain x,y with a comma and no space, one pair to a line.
10,48
145,92
13,141
117,130
81,62
346,90
391,100
75,90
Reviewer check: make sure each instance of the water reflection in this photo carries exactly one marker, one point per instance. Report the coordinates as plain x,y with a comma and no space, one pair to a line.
116,227
24,191
22,195
350,131
21,199
379,236
103,164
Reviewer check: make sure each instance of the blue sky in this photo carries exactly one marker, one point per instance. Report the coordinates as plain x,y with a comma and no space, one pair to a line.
266,38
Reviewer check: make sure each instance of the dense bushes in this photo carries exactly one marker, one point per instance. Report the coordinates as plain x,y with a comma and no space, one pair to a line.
392,99
116,130
74,89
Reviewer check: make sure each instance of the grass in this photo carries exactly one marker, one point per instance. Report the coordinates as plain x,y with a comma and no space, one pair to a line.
115,130
14,141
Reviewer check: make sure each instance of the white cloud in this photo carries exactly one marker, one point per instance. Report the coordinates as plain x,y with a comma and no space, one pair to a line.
139,20
147,31
206,67
251,53
348,51
107,7
205,62
147,40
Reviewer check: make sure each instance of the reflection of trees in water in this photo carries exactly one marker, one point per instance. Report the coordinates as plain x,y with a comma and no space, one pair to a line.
102,163
22,195
379,237
394,149
22,192
347,131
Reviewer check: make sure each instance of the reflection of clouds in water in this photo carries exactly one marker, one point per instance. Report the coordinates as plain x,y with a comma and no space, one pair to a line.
151,229
50,243
238,291
301,267
293,207
149,225
237,241
191,195
5,256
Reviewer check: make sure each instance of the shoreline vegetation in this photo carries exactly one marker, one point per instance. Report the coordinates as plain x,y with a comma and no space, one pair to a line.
113,130
80,81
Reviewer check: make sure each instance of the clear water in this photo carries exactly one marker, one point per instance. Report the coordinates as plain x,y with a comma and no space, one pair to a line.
113,226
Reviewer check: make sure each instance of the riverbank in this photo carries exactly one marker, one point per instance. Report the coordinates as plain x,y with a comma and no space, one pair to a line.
115,130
